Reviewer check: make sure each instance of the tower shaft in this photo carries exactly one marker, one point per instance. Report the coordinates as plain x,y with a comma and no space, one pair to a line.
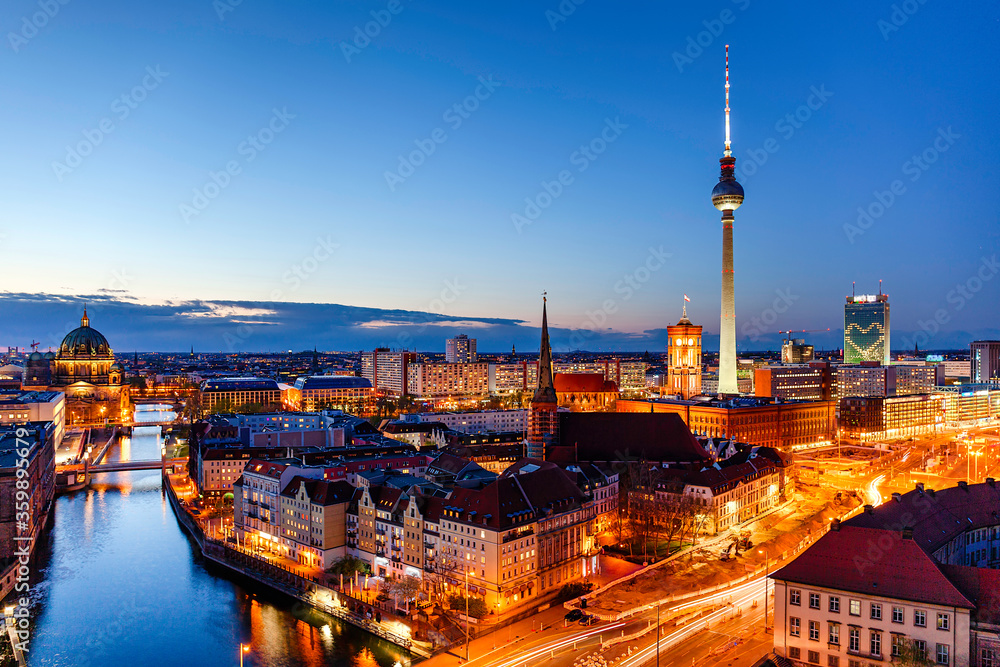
727,326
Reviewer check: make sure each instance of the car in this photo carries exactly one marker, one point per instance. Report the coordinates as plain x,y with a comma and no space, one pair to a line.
574,615
588,620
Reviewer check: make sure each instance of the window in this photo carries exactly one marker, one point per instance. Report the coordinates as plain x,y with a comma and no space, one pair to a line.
794,596
794,653
814,630
876,643
835,633
854,640
989,658
920,618
794,626
944,622
855,608
897,614
814,657
920,648
897,644
941,655
876,611
833,661
834,604
814,600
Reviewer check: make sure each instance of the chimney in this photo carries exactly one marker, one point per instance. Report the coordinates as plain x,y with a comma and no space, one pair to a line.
898,498
835,524
962,484
908,533
920,487
870,509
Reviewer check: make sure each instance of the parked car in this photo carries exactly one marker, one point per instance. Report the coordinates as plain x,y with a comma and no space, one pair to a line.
588,620
574,615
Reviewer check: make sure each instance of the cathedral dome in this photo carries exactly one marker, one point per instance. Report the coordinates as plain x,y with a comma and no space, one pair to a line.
84,341
35,356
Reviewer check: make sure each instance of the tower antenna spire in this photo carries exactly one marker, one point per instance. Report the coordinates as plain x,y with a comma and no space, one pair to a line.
728,143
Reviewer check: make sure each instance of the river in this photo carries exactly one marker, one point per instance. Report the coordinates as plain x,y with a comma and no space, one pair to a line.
118,583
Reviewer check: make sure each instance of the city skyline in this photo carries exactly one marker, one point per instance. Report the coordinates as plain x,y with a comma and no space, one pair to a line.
800,244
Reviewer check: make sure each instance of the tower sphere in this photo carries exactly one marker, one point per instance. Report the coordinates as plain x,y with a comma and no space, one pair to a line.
727,195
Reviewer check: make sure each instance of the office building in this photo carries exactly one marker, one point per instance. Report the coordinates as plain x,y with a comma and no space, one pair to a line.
866,329
985,361
341,392
522,376
460,350
794,383
796,352
873,418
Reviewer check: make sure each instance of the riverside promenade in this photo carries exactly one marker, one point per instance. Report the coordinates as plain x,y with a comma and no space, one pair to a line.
307,590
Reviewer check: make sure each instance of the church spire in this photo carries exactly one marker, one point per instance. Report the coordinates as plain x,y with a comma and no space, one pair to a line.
546,391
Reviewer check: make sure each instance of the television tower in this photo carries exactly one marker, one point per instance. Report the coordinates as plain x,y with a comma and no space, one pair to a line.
727,197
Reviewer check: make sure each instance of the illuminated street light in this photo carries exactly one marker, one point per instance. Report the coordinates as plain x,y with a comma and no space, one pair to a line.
244,648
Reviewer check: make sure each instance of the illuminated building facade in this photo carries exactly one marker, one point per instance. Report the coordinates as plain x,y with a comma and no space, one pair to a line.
786,426
341,392
424,380
794,383
871,418
985,361
227,394
630,376
387,371
460,350
796,352
86,371
683,358
866,329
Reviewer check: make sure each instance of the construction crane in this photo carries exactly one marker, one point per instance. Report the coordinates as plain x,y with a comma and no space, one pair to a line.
789,332
34,345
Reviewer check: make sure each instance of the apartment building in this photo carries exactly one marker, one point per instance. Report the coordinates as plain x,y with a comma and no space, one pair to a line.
225,394
483,421
314,520
522,376
341,392
460,350
387,371
19,407
429,380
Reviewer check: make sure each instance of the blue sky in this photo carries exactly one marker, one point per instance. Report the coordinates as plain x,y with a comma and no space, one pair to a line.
305,213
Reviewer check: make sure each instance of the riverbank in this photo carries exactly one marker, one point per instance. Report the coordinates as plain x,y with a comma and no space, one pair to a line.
306,590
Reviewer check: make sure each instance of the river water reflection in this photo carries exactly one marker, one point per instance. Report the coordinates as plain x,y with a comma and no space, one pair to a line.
120,584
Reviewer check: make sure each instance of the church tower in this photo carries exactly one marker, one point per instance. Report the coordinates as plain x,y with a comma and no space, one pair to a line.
684,357
543,417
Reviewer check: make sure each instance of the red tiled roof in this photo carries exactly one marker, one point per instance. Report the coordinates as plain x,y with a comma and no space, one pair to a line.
873,561
621,436
590,383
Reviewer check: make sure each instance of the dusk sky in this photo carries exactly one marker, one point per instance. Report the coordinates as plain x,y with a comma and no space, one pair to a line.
122,119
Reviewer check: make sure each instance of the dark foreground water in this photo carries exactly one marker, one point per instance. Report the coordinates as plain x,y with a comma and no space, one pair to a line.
120,584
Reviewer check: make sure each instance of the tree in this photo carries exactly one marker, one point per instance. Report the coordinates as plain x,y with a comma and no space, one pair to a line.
477,606
405,588
348,565
908,653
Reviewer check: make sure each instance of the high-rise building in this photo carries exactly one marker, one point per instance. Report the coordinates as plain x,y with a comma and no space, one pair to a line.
543,418
684,358
387,371
866,329
796,352
801,383
985,361
727,196
460,350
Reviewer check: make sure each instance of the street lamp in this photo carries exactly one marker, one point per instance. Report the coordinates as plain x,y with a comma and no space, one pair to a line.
244,648
767,572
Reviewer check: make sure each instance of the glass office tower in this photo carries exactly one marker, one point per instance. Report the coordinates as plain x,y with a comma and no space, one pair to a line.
866,329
